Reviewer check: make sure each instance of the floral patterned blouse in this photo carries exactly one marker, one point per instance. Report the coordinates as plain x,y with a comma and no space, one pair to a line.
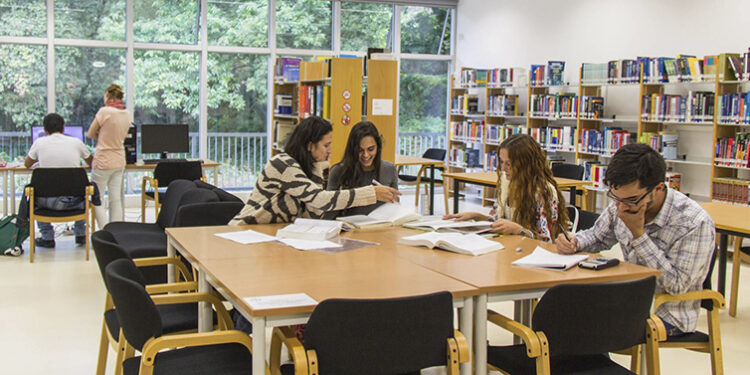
543,221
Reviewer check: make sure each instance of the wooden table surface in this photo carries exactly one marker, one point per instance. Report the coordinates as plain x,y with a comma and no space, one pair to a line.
490,178
728,216
415,160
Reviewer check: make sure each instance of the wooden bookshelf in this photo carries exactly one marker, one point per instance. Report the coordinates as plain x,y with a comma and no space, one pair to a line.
382,77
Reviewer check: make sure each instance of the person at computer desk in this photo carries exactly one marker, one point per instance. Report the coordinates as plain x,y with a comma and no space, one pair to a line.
528,198
291,184
362,166
656,227
109,128
57,150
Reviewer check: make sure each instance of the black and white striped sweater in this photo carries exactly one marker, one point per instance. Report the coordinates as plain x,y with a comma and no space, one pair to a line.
283,193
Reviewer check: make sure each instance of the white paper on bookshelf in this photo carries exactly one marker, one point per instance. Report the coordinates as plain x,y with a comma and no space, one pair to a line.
280,301
382,107
468,244
310,229
542,258
246,237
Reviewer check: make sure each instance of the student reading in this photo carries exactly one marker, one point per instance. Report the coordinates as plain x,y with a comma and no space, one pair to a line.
362,165
656,227
527,195
291,184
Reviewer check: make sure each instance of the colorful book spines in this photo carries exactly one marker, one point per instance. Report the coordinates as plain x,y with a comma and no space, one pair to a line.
733,152
606,141
734,108
502,105
313,101
287,69
730,191
557,106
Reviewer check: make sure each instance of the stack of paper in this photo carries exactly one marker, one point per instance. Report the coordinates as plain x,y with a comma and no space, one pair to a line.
542,258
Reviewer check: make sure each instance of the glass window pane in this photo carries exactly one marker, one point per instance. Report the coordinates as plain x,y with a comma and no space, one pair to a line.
166,90
81,76
426,30
90,19
422,105
166,21
238,23
23,18
237,94
303,24
23,94
365,25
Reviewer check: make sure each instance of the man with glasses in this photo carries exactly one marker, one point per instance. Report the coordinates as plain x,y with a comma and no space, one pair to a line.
656,227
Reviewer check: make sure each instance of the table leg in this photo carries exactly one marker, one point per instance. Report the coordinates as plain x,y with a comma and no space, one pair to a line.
480,335
204,308
722,262
465,324
573,196
432,189
171,252
517,316
13,193
259,345
455,195
216,176
5,193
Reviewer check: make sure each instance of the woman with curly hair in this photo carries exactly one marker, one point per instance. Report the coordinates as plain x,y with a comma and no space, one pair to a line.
528,199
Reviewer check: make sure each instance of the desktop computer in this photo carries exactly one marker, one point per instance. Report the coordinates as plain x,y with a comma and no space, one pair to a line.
131,154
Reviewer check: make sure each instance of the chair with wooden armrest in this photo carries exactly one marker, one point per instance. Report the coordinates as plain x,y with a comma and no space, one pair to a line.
422,178
164,174
595,324
375,337
220,352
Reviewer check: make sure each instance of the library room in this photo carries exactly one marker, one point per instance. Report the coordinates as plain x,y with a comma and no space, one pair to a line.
374,187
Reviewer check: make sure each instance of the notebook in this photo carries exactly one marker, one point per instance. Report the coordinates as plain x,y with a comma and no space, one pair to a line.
310,229
387,214
542,258
468,244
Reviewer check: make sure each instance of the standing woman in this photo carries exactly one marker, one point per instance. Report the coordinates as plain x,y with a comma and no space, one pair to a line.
362,165
109,128
291,184
528,200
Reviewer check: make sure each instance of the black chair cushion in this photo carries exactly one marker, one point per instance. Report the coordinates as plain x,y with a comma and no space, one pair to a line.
410,178
696,336
287,369
141,245
56,213
174,318
225,359
162,195
513,360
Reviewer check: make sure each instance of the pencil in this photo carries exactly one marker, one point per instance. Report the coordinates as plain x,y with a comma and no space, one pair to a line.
563,231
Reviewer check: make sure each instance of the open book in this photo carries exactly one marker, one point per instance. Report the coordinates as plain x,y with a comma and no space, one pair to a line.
437,223
310,229
542,258
386,215
469,244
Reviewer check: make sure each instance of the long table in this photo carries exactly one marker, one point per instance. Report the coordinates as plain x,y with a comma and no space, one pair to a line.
385,270
405,160
9,174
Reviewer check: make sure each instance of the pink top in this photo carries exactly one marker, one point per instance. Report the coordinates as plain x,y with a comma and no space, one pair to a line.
109,128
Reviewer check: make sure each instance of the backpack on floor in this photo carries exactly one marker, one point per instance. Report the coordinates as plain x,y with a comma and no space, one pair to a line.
11,236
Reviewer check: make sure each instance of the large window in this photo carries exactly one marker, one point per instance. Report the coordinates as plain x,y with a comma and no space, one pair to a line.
422,107
166,21
303,24
90,19
426,30
238,23
365,25
23,18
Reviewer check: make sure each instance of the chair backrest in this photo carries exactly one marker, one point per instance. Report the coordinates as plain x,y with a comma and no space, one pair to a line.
434,154
136,312
586,220
708,304
594,318
168,171
564,170
59,182
224,196
385,336
573,216
106,250
179,193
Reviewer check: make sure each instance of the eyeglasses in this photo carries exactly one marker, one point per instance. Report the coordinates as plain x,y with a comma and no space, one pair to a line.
629,202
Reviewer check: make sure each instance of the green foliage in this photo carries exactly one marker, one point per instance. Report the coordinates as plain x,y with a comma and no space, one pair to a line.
238,23
23,86
303,24
74,19
422,107
365,25
421,29
23,17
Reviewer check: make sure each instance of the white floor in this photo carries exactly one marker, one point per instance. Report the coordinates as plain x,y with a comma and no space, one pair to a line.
51,311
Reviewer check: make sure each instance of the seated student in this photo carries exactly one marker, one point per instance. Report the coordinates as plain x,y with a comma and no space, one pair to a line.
291,184
57,150
656,227
527,195
362,166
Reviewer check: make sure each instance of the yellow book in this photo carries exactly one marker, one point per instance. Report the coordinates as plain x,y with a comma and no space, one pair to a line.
327,102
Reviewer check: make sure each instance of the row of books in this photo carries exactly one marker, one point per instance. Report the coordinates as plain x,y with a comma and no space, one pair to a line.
664,142
734,108
314,101
594,172
494,134
552,74
465,104
283,104
282,130
613,72
697,106
468,131
739,66
464,157
592,107
287,69
733,152
731,191
491,161
471,77
504,77
684,68
554,138
605,141
502,105
554,106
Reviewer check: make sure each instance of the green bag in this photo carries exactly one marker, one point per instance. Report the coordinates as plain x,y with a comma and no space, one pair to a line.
11,236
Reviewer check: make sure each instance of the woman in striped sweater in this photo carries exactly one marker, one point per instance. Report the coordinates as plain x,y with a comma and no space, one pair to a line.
291,184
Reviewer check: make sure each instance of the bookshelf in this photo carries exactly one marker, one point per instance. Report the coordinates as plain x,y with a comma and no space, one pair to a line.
465,125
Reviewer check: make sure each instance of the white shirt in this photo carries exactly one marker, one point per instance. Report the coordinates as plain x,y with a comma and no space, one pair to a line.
58,151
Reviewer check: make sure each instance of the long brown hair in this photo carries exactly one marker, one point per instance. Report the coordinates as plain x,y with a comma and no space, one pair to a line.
530,181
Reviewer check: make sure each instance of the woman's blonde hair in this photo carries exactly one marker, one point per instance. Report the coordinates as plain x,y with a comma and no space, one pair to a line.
531,178
114,92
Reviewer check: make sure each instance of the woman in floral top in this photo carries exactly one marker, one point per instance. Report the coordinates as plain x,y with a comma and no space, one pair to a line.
527,195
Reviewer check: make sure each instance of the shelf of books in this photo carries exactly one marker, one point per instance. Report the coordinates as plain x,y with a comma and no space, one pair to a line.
467,122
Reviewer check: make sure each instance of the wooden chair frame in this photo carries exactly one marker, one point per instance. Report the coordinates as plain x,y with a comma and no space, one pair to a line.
306,361
713,346
88,215
422,170
737,258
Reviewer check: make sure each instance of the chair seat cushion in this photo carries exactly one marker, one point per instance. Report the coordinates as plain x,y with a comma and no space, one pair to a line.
696,336
225,359
141,245
174,318
56,213
513,359
150,194
408,178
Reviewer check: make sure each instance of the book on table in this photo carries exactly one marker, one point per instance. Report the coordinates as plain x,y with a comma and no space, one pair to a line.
468,244
436,223
310,229
388,214
542,258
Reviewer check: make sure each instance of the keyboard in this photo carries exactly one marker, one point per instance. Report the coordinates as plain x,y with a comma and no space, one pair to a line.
157,161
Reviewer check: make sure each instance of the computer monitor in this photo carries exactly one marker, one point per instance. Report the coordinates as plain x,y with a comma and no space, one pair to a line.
73,131
163,139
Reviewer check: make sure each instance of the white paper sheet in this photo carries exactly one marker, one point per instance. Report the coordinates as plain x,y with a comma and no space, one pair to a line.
280,300
246,237
308,244
542,258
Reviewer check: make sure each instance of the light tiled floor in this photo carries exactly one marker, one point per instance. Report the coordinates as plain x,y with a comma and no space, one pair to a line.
50,315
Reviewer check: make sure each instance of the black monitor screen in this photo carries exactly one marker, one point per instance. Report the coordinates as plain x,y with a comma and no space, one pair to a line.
73,131
164,138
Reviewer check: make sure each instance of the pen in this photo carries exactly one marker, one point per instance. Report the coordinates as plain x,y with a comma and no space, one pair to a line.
376,183
563,231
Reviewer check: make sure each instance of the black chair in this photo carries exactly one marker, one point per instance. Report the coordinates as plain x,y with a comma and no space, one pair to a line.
586,220
571,171
219,352
574,327
58,182
164,173
422,178
375,337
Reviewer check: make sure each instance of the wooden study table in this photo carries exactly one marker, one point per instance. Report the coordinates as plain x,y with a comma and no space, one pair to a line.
728,220
238,271
405,160
489,179
9,173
